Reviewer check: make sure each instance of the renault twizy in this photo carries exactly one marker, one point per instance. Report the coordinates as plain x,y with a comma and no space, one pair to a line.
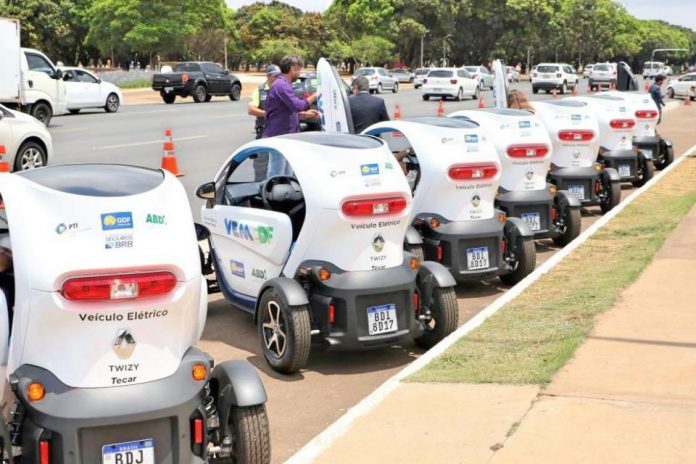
318,255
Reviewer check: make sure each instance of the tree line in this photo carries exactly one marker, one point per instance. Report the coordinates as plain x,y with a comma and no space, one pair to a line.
350,32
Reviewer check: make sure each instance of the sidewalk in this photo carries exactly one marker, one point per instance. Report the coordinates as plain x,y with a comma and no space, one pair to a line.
627,396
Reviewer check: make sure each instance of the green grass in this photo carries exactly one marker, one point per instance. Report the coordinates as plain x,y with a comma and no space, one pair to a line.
136,84
532,337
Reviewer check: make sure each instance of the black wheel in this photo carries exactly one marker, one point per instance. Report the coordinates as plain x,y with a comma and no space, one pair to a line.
460,94
395,88
667,157
236,92
379,88
200,93
476,94
415,250
426,97
647,171
571,225
670,92
564,88
168,98
208,98
535,90
525,261
112,103
43,112
612,192
444,317
30,155
74,111
481,86
252,435
284,332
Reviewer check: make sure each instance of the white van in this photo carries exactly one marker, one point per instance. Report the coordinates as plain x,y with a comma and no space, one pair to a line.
654,68
28,79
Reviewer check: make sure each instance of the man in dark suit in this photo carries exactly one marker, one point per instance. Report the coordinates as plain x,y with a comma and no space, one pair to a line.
365,108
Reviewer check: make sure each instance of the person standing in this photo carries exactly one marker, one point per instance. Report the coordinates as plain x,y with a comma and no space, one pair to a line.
656,95
257,108
366,109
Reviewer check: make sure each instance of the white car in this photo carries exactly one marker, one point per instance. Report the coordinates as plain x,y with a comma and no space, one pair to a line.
654,68
587,70
549,76
27,142
419,76
379,79
85,90
685,86
603,75
484,77
450,82
512,74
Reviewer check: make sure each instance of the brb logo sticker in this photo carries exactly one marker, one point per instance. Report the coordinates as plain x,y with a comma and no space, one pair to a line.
113,221
258,233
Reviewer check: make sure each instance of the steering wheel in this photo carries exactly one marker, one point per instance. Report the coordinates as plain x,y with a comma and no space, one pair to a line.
266,189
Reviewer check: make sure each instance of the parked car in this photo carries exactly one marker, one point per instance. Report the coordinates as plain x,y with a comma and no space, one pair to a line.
668,70
307,84
482,75
379,79
653,68
603,75
512,74
549,76
450,82
85,90
419,76
26,140
685,86
587,70
200,79
403,75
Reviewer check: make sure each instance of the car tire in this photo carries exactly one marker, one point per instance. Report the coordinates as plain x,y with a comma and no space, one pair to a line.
476,94
481,86
667,157
573,220
74,111
564,88
200,93
647,172
112,103
426,97
415,250
670,93
43,112
444,313
535,90
613,197
525,254
168,98
236,92
292,322
30,155
251,436
395,89
460,94
379,89
208,98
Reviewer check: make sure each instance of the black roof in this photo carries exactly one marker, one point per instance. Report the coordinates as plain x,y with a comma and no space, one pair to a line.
335,139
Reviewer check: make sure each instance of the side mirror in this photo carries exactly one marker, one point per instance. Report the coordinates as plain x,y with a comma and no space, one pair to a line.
58,74
206,191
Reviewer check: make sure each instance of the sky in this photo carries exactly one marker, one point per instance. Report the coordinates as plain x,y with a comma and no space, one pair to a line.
680,12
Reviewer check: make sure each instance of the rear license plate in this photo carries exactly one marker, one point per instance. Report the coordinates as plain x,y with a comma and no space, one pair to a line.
578,190
168,89
437,90
132,452
477,258
381,319
533,220
546,76
625,170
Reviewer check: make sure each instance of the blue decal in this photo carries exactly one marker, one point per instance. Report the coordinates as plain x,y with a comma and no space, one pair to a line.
122,220
237,268
471,138
369,169
261,234
525,124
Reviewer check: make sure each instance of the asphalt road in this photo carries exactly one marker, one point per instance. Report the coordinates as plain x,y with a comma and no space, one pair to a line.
302,405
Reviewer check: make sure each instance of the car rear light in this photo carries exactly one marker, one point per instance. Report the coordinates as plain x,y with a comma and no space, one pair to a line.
332,314
576,135
374,78
534,74
527,151
613,73
416,301
374,206
185,78
453,81
439,253
503,246
118,287
622,124
198,431
558,74
646,114
473,171
44,452
425,81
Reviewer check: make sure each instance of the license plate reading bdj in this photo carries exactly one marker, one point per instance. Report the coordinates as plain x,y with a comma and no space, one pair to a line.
381,319
533,220
624,170
578,190
132,452
477,258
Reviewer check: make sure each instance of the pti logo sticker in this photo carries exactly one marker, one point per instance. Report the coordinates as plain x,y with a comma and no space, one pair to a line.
112,221
369,169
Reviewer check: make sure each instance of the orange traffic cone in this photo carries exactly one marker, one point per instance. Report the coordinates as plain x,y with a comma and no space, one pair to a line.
481,103
575,91
589,89
4,165
440,108
168,157
687,101
397,112
554,93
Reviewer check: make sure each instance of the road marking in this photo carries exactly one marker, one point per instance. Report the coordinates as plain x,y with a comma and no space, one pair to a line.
325,439
149,142
75,129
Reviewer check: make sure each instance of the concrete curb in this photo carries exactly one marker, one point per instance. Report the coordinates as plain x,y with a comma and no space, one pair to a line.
326,438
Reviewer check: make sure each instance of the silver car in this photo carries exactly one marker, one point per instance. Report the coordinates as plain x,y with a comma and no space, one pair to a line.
420,75
379,79
484,77
402,75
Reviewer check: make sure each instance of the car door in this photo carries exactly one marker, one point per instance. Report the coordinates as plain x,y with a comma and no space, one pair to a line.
251,244
73,91
41,77
467,82
7,137
91,92
215,76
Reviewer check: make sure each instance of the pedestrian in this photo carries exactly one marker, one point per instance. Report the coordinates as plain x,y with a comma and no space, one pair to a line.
257,108
284,109
366,109
516,99
656,94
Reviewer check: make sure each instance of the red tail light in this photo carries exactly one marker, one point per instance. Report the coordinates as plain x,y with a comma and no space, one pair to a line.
473,171
453,81
425,81
198,431
374,78
332,314
646,114
416,301
503,246
614,73
558,75
527,151
534,74
622,124
576,135
185,78
44,452
118,287
439,252
374,206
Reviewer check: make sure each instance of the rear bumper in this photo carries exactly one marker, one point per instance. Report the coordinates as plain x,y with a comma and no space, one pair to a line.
571,178
517,204
547,85
440,91
622,160
78,422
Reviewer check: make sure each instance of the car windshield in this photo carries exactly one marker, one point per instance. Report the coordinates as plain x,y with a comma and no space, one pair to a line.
602,67
471,69
365,72
440,73
420,72
547,69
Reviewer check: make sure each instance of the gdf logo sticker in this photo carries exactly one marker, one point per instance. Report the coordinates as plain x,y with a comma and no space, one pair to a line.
120,220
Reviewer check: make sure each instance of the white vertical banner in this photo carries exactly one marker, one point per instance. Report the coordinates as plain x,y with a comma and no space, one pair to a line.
332,100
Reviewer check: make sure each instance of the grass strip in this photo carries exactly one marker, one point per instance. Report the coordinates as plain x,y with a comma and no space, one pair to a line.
136,84
532,337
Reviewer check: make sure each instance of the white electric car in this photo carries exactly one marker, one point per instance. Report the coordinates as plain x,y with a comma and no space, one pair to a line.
27,143
524,149
574,132
617,122
84,90
455,170
100,313
450,82
318,255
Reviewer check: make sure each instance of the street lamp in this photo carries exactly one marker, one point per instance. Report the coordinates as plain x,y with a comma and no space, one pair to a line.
421,55
444,57
557,53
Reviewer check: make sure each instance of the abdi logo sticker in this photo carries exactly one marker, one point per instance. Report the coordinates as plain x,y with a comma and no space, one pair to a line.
369,169
112,221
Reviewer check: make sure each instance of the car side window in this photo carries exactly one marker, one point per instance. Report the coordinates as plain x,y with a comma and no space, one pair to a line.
382,72
68,76
461,73
85,77
39,63
211,68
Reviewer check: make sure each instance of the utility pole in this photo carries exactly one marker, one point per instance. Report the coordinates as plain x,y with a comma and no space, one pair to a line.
444,43
421,54
226,50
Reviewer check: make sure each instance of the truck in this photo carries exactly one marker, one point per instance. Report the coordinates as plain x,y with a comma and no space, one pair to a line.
200,79
29,81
